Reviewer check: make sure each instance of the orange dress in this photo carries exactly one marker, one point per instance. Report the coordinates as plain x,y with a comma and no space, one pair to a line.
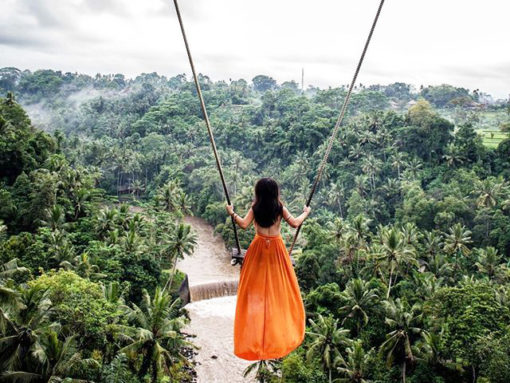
270,317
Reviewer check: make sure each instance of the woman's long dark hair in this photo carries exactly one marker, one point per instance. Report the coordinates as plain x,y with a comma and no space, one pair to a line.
267,206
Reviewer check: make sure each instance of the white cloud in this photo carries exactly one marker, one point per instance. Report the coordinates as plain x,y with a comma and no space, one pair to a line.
459,42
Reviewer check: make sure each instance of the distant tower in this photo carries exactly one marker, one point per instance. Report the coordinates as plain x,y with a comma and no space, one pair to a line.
302,80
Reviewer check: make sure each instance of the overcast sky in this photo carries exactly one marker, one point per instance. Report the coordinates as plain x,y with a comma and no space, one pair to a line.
460,42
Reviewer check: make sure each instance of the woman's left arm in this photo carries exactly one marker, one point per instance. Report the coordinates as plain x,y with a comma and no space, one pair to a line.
242,222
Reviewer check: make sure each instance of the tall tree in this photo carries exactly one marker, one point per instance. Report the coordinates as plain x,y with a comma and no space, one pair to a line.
182,242
327,339
157,327
405,325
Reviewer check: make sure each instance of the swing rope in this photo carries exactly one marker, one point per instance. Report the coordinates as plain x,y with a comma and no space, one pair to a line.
207,122
339,121
331,139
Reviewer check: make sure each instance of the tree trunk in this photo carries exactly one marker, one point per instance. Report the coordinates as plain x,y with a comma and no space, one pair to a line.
404,372
329,374
389,284
171,278
474,373
154,372
118,184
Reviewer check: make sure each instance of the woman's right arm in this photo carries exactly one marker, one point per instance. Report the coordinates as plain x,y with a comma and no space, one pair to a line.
242,222
295,222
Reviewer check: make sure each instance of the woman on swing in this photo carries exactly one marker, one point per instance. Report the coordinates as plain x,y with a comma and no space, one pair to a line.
270,318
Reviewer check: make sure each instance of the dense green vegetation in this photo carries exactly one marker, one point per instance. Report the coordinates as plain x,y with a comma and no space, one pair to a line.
81,280
404,263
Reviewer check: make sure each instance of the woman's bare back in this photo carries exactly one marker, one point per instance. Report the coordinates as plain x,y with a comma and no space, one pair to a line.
271,230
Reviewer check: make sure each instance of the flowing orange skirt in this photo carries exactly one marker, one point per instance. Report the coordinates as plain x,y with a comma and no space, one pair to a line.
270,316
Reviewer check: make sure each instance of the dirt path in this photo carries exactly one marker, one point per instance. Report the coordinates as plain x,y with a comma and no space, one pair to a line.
210,262
212,320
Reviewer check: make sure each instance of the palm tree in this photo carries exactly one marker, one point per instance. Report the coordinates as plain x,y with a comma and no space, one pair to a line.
354,367
265,370
60,358
336,195
490,191
22,329
414,166
404,322
337,228
132,243
398,161
157,326
453,156
326,340
356,151
124,217
167,196
244,197
439,266
411,234
349,246
106,222
182,242
55,218
358,298
457,241
184,203
80,199
137,188
60,247
361,183
171,198
361,230
392,187
429,349
396,252
371,165
113,294
488,261
432,243
9,296
83,266
52,360
426,284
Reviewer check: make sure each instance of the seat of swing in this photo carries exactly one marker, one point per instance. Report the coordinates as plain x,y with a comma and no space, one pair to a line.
237,259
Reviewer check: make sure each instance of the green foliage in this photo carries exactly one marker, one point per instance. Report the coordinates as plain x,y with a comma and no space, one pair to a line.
79,305
297,370
263,83
446,95
427,134
118,371
410,208
22,148
469,311
493,352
